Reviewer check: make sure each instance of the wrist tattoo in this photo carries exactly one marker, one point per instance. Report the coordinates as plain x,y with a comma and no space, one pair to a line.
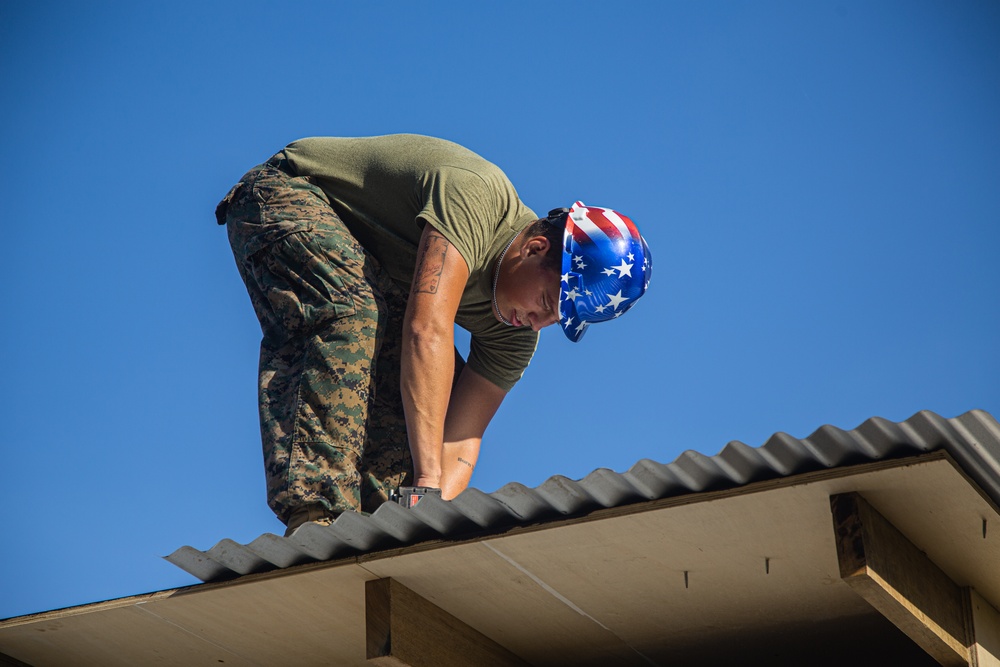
461,460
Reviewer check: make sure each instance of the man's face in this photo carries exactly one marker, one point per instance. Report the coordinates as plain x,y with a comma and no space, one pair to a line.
528,296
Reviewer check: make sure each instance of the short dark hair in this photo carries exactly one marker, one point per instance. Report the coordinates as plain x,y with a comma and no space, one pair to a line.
552,229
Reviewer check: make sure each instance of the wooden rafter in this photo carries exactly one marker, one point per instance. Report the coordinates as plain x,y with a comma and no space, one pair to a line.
897,579
405,630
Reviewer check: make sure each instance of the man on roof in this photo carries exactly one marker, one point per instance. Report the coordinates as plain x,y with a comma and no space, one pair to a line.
360,255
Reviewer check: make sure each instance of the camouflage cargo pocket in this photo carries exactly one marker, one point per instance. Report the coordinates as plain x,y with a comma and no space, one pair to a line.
268,204
296,288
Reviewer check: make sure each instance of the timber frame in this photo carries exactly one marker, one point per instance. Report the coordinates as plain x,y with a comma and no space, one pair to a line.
882,566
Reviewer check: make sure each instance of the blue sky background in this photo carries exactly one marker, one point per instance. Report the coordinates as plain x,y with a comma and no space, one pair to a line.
819,183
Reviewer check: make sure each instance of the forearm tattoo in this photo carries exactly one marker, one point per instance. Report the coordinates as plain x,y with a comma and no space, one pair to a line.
430,264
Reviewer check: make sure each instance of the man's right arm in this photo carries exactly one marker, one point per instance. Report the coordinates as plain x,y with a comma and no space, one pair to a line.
428,351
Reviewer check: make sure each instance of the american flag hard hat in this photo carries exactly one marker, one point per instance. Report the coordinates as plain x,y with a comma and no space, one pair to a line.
606,266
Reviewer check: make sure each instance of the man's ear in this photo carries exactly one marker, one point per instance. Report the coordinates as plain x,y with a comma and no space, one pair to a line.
536,245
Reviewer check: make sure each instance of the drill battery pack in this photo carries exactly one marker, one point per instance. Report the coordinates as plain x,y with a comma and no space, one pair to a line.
409,496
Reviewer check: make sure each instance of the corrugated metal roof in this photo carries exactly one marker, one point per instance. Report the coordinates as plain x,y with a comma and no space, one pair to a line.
972,440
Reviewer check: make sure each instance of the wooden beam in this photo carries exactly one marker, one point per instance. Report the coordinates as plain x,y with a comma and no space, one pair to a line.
896,578
986,627
405,630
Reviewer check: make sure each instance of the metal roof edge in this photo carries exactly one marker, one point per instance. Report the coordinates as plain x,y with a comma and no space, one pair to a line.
972,440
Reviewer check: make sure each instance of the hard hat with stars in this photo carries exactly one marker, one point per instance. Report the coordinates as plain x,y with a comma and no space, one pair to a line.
606,266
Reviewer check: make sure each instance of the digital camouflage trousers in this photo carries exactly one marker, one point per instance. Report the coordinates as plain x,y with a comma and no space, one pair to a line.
331,414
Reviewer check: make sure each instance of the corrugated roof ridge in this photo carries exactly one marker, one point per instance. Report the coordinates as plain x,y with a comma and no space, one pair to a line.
972,439
980,457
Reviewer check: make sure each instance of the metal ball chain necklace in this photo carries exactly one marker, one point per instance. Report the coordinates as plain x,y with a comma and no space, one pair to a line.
496,276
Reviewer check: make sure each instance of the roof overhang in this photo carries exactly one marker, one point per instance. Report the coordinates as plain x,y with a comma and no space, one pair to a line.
703,578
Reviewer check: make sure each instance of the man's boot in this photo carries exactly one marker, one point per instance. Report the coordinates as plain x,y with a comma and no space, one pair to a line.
314,513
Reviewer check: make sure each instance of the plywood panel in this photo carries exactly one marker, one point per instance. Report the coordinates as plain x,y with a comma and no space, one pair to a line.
684,575
314,618
122,636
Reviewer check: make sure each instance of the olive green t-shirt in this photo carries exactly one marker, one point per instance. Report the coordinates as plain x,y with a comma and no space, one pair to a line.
386,189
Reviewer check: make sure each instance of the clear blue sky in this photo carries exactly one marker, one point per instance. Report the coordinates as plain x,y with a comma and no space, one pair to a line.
819,183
